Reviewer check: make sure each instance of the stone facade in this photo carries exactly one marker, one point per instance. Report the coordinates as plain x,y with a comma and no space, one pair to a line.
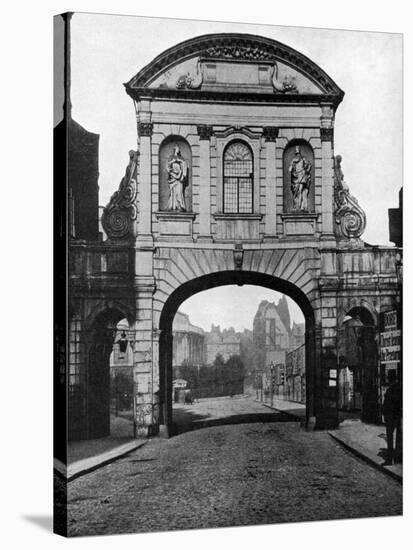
225,343
273,335
204,95
188,342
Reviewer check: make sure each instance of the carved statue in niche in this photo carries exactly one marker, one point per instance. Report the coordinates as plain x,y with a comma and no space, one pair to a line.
300,172
177,169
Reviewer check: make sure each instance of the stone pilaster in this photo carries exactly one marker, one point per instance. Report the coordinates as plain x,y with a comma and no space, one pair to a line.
327,138
204,132
145,171
270,135
145,386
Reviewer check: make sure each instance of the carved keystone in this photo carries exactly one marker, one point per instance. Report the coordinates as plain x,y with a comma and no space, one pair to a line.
238,256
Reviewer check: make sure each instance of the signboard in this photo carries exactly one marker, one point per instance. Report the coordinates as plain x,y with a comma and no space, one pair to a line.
390,342
390,346
390,320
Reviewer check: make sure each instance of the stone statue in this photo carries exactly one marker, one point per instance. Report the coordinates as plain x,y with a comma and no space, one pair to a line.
300,171
178,179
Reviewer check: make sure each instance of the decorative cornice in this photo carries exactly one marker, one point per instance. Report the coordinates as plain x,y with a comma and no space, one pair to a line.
238,97
236,216
205,131
145,129
231,130
270,133
237,47
327,134
174,216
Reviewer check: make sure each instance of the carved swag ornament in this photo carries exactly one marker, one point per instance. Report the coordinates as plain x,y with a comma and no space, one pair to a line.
349,216
121,211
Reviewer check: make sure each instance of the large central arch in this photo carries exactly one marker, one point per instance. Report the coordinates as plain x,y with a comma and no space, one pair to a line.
224,278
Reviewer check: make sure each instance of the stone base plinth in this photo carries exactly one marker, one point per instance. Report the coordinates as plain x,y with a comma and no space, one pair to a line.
299,224
175,225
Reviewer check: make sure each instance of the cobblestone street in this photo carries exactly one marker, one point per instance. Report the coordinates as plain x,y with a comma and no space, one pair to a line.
268,471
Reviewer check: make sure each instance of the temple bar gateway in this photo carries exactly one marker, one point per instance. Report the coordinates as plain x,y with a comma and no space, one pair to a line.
234,180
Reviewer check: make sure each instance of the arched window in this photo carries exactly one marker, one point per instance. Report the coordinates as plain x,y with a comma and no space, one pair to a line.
238,179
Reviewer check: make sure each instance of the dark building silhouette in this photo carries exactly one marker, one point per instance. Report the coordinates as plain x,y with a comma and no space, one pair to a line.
83,174
396,222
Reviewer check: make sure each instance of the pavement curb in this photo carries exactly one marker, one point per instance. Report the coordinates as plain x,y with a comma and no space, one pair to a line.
295,417
87,465
365,455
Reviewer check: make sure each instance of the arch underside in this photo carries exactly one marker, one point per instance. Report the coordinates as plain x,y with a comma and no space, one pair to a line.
213,280
293,271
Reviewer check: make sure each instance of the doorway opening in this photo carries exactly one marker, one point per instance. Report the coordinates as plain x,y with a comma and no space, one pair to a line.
226,350
358,372
101,414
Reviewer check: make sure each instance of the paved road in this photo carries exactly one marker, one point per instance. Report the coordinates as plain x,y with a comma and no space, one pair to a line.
236,474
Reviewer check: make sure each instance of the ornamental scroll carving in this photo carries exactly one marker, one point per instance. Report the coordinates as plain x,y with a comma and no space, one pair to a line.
254,53
191,81
121,211
349,216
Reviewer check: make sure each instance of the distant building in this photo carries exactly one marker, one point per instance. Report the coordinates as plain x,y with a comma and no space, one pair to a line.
297,337
188,342
278,366
294,380
225,343
272,333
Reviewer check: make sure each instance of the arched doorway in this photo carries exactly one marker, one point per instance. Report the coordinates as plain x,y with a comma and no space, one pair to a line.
93,388
358,366
221,279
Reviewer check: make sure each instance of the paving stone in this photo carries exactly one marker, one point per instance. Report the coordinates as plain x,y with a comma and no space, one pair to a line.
236,474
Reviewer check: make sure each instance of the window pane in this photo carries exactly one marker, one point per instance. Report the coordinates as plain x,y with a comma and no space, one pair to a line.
230,195
238,179
245,195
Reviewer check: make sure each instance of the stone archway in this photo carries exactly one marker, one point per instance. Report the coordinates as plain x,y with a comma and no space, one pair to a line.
97,341
357,359
224,278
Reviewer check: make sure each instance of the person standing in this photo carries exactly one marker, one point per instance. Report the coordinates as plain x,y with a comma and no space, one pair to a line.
392,412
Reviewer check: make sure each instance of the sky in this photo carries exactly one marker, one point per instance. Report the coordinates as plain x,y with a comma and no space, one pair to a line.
233,306
108,50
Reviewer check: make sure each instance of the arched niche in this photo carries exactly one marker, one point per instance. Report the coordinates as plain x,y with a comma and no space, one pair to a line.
166,152
289,153
358,358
